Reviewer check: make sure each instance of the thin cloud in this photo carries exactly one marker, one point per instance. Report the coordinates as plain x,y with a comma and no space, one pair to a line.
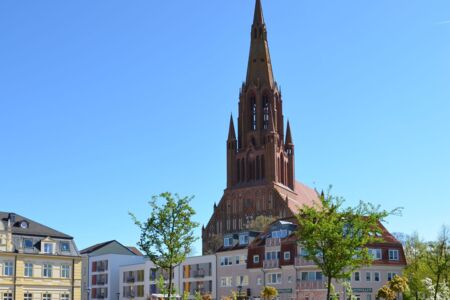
443,22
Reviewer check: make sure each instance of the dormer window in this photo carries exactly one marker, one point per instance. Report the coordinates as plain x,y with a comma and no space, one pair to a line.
28,244
228,241
24,224
65,247
48,248
243,239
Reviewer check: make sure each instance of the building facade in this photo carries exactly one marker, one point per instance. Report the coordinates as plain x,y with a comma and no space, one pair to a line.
260,157
101,265
37,262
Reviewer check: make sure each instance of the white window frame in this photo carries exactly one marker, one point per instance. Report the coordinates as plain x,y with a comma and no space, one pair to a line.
243,239
368,276
276,276
226,281
228,241
64,243
377,275
391,275
65,297
357,277
47,271
8,268
287,255
28,270
242,280
27,296
47,296
376,253
259,281
65,271
394,254
256,259
7,296
51,247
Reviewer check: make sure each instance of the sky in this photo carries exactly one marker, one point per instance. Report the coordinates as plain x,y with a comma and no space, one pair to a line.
106,103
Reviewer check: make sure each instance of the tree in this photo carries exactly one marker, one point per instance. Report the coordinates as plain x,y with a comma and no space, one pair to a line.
269,292
443,293
386,293
398,284
416,269
335,238
438,259
168,233
260,223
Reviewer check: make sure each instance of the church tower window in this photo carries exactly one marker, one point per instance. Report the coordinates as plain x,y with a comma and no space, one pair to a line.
265,112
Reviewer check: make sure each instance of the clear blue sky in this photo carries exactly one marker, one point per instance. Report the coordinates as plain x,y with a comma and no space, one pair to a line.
106,103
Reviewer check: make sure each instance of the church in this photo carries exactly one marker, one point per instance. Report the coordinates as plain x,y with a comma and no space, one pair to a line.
260,154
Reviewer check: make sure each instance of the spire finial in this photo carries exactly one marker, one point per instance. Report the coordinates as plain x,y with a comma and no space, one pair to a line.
288,134
258,18
231,131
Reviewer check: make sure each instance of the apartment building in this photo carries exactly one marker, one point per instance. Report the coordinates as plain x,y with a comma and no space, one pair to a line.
196,274
36,261
101,263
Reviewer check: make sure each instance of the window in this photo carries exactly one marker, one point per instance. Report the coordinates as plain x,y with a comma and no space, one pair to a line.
226,261
226,281
65,297
47,297
253,112
243,239
287,255
272,255
140,291
394,254
311,276
368,276
48,248
375,253
140,276
28,270
8,268
65,271
28,243
47,271
65,247
238,260
391,275
289,279
274,278
369,297
259,281
356,276
242,280
228,241
376,276
7,296
266,112
29,296
256,259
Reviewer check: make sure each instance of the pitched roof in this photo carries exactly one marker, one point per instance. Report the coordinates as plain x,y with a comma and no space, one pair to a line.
33,229
95,247
135,250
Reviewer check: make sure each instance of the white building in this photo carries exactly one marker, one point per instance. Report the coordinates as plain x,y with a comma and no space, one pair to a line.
101,265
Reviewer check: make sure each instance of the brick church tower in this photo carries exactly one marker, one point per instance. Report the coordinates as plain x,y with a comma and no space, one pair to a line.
260,161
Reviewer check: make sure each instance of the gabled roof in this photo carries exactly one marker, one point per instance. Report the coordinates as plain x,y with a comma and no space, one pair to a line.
120,249
135,250
33,229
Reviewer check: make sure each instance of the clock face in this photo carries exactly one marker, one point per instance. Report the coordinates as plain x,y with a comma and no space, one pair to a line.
24,225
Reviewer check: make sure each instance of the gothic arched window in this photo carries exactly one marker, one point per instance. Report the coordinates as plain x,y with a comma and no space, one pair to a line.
253,113
266,110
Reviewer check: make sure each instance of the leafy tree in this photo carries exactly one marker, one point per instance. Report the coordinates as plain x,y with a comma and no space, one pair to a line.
335,238
386,293
430,287
438,259
168,233
260,223
416,269
398,284
269,292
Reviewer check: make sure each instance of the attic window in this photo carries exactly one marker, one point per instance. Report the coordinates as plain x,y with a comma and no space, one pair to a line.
28,244
48,248
228,241
65,247
24,224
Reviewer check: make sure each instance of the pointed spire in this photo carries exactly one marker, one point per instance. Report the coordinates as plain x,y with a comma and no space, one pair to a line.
288,134
258,18
231,131
259,70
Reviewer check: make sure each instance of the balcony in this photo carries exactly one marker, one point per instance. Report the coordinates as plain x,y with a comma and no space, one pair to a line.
271,263
300,261
199,274
273,242
312,285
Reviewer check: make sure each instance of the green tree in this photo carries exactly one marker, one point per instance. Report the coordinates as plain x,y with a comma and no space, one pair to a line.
398,284
438,259
260,223
416,269
168,233
269,292
386,293
335,238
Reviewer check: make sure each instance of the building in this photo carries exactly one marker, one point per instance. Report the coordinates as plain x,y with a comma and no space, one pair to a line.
260,158
101,263
37,262
274,258
195,274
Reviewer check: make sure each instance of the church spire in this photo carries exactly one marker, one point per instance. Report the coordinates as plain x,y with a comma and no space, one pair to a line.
259,71
288,134
231,131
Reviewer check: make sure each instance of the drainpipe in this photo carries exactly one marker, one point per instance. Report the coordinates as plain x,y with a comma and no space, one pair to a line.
15,277
73,279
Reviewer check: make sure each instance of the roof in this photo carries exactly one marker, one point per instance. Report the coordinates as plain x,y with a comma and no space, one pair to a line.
34,228
135,250
95,247
119,248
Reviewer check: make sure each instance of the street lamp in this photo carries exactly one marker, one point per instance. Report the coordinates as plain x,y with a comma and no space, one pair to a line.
240,291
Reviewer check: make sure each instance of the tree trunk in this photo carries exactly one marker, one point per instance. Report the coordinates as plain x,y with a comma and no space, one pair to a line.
169,290
436,289
329,288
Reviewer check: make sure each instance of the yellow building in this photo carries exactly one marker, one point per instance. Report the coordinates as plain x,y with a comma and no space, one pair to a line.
37,262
